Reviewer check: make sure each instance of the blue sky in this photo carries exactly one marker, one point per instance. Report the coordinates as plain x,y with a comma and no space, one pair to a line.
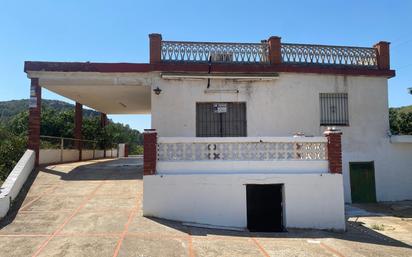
117,31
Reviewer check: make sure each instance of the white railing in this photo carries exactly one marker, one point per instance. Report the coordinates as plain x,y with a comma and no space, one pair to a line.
179,51
242,149
329,55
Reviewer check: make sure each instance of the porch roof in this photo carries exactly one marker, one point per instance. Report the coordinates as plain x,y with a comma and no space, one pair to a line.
108,93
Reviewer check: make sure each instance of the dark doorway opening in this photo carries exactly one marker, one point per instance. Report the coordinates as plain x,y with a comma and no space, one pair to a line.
264,208
362,182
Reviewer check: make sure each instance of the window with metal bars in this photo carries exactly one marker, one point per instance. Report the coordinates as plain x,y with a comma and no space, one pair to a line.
221,119
334,109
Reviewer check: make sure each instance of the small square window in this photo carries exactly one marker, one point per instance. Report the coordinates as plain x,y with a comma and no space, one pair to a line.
334,109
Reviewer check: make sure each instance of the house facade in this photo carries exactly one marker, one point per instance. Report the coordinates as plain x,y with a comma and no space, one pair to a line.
265,135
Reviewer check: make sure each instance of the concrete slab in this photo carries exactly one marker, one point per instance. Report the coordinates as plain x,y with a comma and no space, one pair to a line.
97,222
54,203
227,248
106,202
80,246
157,227
74,189
93,208
35,223
19,246
153,247
294,247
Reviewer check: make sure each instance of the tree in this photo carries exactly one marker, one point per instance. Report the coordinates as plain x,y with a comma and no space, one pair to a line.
400,120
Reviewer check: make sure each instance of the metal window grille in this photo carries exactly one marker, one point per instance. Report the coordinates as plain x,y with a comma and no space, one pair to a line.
231,123
334,109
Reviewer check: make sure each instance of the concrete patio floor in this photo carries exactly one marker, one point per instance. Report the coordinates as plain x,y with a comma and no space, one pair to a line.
94,208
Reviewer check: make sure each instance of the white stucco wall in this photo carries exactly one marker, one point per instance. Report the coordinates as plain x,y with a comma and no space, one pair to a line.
99,154
15,180
87,154
310,200
291,104
48,156
121,150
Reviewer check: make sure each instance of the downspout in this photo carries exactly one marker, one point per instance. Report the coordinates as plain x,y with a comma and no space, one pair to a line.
210,67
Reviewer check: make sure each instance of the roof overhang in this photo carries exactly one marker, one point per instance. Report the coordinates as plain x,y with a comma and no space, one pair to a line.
110,93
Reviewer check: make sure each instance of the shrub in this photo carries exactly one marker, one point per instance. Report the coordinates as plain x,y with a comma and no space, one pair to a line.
12,147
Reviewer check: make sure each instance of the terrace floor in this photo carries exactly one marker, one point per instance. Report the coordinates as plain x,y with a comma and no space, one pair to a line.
94,208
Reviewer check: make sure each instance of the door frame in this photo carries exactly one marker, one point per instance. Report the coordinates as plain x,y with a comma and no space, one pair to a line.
372,165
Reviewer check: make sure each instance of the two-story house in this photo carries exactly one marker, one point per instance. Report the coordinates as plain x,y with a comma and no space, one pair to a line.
264,135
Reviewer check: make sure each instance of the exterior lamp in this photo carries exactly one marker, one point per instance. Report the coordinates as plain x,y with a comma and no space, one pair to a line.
157,91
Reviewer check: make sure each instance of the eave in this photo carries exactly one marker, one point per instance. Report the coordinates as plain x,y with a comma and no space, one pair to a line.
201,67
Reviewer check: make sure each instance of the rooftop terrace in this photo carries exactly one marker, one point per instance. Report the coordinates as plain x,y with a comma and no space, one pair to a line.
269,55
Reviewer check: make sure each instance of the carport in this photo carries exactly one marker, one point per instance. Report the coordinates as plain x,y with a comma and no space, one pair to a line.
98,86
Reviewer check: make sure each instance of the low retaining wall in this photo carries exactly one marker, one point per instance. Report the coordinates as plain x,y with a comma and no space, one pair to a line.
49,156
14,182
310,200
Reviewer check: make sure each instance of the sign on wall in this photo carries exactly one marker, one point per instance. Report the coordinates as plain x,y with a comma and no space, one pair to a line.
33,102
33,97
220,107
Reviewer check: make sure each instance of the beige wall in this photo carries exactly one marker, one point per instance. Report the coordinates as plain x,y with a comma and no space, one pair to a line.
291,104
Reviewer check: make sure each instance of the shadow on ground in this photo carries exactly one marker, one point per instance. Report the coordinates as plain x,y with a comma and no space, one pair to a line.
355,232
119,169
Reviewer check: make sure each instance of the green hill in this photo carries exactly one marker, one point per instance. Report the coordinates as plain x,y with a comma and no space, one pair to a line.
403,109
9,109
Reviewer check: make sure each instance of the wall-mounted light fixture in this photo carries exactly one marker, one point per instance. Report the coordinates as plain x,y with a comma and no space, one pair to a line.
157,91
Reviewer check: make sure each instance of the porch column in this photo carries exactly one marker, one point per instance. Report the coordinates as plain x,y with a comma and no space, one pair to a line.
78,124
103,123
155,47
34,118
275,56
103,120
334,148
382,51
149,151
126,150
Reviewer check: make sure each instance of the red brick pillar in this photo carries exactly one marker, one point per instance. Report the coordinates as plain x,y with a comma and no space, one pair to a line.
78,124
103,120
334,150
155,48
149,151
34,118
275,56
126,150
382,51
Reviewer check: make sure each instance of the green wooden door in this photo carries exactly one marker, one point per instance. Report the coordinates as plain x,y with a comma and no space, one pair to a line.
362,182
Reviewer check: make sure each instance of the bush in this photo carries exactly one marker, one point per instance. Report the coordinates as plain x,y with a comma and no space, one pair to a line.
12,148
400,122
136,150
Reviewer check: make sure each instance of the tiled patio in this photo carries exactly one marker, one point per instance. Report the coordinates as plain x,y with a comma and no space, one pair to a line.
94,208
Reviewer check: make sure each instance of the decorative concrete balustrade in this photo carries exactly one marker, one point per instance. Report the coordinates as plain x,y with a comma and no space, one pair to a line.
269,52
241,149
165,155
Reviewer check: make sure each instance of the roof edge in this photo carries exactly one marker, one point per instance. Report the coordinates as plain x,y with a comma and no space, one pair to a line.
200,67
